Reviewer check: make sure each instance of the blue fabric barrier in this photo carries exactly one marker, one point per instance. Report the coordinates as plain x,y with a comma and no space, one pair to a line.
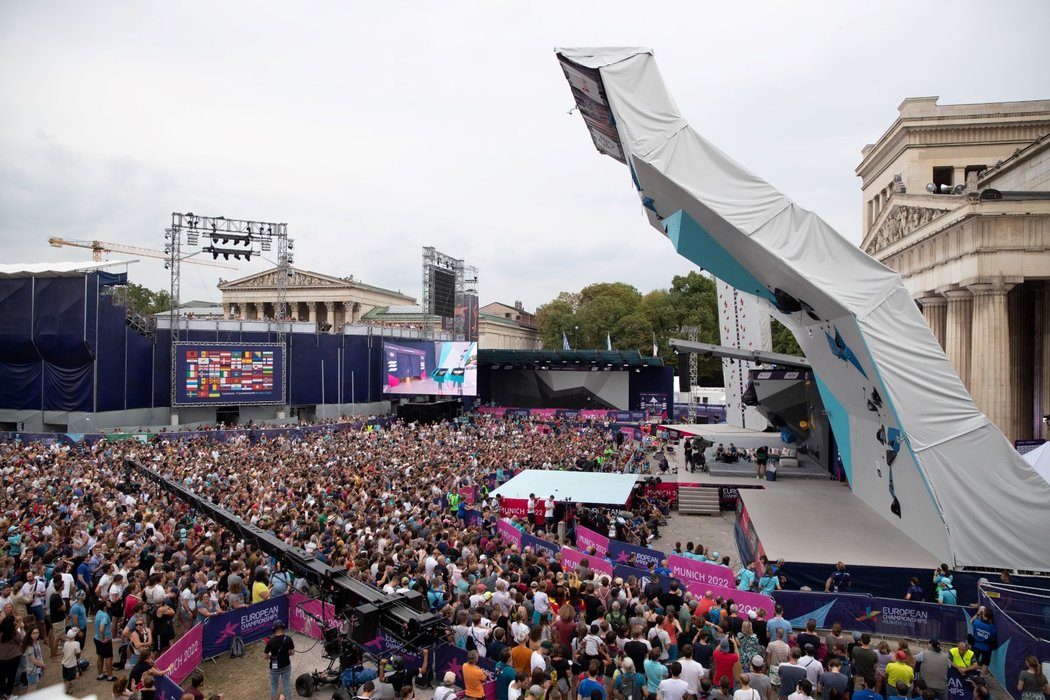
621,553
251,624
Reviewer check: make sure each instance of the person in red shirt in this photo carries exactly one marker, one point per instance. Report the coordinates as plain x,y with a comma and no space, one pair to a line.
726,657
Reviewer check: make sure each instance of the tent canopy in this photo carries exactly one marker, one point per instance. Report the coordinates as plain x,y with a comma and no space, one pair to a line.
580,487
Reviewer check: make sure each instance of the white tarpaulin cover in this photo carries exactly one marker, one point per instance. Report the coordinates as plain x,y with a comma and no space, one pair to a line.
913,444
1039,458
581,487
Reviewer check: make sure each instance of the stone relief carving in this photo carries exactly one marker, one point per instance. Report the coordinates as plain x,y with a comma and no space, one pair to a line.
900,222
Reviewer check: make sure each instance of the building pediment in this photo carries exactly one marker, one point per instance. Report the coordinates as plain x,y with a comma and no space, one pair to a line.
899,222
267,279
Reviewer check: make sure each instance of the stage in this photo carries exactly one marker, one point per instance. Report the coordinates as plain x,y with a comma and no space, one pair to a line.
802,466
814,524
579,487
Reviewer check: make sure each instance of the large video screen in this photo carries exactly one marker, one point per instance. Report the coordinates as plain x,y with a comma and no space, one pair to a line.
229,374
425,367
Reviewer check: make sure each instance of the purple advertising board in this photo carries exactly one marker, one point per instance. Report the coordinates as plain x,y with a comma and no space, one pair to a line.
250,623
538,545
167,689
508,532
184,655
701,573
622,553
310,616
587,538
882,616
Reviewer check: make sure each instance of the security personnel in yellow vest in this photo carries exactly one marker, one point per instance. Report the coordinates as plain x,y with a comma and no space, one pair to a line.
963,658
453,501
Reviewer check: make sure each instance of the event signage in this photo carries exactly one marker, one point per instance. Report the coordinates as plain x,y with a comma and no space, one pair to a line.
310,617
514,508
882,616
229,373
184,655
508,532
384,645
959,688
587,538
538,545
251,623
701,573
746,601
167,689
623,553
574,559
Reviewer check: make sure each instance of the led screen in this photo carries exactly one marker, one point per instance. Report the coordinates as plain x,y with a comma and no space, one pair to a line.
430,368
229,374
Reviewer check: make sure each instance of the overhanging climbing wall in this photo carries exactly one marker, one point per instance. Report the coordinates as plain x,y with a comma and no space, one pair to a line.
914,445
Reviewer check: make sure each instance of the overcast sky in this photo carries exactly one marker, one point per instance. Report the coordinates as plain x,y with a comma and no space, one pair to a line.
376,129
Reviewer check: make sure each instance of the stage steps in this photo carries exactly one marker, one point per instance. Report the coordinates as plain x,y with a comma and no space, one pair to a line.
698,500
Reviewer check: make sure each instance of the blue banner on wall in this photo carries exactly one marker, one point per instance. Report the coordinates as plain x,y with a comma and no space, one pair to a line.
623,553
882,616
537,544
250,623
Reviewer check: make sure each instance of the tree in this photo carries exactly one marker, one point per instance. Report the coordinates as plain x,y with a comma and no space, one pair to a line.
784,340
556,319
143,300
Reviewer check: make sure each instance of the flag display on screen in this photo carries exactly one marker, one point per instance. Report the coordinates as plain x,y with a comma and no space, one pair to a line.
234,374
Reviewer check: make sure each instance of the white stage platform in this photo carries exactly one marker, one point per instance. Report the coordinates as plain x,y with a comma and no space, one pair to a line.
822,521
581,487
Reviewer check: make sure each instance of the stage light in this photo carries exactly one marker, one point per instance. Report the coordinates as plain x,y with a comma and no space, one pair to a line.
291,244
213,227
931,188
248,256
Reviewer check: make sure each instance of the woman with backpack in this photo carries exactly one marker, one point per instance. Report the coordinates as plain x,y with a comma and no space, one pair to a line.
628,684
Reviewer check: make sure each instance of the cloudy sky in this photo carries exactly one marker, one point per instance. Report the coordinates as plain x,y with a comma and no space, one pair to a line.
376,129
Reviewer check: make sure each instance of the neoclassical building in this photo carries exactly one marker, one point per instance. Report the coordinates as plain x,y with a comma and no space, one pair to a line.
957,200
313,297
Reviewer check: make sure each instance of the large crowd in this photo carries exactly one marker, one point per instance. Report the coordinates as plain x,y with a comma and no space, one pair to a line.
87,562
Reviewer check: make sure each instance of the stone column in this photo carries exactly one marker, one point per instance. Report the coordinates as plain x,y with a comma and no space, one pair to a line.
226,309
957,331
311,307
348,312
935,311
990,354
330,318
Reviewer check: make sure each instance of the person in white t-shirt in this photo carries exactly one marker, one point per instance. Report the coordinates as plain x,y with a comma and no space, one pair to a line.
692,670
673,688
548,514
745,691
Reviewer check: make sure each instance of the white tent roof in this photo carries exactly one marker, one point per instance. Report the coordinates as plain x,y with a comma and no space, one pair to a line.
913,443
1039,458
581,487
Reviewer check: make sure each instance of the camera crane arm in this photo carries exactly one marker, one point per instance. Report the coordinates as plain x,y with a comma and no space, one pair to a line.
405,615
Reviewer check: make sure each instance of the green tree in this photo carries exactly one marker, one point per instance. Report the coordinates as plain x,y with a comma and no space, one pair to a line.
784,340
144,300
558,317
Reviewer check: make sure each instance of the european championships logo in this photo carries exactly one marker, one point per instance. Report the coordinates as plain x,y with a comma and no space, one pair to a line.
869,614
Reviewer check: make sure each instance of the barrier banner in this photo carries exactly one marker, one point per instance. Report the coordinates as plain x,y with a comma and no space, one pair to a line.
167,689
882,616
701,573
538,545
250,623
184,655
448,657
508,532
625,572
746,601
467,493
586,538
622,553
514,508
961,689
1014,641
384,645
572,559
310,616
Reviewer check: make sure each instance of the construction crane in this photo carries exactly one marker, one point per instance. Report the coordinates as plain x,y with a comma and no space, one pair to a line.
97,248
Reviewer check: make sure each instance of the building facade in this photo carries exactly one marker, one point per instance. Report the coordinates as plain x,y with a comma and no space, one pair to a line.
506,327
330,302
957,200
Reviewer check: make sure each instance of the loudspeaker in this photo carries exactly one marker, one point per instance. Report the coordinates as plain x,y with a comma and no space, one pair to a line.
366,623
415,600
